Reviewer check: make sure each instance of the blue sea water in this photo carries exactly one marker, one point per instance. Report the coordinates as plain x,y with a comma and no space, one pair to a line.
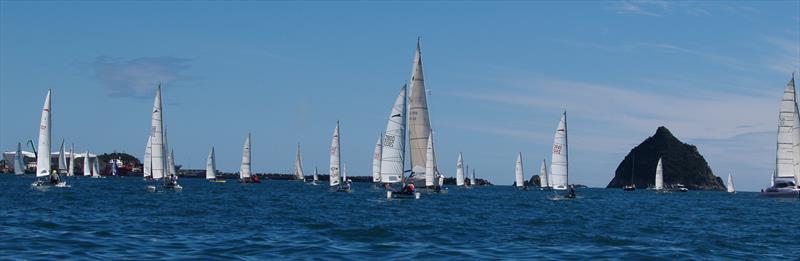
117,218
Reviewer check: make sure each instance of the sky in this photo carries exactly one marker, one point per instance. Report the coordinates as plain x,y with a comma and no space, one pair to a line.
498,74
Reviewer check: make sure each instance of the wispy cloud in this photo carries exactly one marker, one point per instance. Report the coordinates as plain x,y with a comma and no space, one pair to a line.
138,77
786,59
648,8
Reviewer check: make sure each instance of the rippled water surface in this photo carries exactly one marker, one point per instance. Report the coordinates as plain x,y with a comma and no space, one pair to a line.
117,218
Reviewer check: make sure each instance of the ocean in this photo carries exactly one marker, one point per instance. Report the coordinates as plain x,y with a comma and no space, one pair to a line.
117,218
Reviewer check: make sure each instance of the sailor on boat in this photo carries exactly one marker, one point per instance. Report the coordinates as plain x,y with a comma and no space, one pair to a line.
54,178
570,192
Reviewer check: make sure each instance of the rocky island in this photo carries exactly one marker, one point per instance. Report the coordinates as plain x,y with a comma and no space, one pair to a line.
682,164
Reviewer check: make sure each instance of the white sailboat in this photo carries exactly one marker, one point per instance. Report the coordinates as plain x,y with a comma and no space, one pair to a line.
96,168
659,176
376,160
19,161
460,171
211,167
474,179
335,160
519,177
87,167
786,178
159,161
393,149
543,176
298,166
315,181
147,159
62,159
43,156
559,163
244,172
71,167
730,187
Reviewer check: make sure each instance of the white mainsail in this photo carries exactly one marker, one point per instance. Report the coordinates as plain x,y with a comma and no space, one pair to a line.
518,176
429,171
148,155
787,134
43,156
87,168
460,171
211,165
96,168
559,164
71,167
730,187
393,144
418,122
62,158
659,176
171,164
158,155
344,172
244,172
543,176
19,161
316,177
335,163
298,165
376,160
474,179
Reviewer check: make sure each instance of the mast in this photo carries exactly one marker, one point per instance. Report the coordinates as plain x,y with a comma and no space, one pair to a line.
43,155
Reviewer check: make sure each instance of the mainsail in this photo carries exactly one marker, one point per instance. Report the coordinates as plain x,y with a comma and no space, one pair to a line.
96,168
788,136
518,177
460,171
543,176
659,176
474,179
244,172
298,165
335,163
62,158
376,160
87,168
559,163
730,187
71,167
316,177
211,165
418,120
393,144
158,168
43,156
19,162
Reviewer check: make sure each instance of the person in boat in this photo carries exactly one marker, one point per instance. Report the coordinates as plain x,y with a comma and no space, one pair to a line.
54,177
409,189
571,192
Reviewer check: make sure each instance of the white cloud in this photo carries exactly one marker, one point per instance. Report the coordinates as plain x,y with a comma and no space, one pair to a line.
138,77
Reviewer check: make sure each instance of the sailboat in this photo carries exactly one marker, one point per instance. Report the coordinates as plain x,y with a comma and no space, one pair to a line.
315,180
729,186
96,169
786,178
298,166
393,150
147,163
474,179
211,168
62,159
43,158
336,179
460,170
19,161
71,167
659,176
433,179
560,161
114,168
519,177
376,161
159,161
544,179
244,172
87,167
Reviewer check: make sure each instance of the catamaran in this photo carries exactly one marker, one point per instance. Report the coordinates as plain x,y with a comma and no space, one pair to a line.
43,158
211,168
244,172
519,177
460,171
786,177
19,161
393,151
298,166
159,161
543,176
336,180
560,161
730,187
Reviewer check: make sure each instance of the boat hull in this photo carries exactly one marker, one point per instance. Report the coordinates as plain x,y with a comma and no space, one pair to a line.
391,195
787,193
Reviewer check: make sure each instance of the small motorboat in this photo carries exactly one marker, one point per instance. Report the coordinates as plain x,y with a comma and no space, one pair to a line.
631,187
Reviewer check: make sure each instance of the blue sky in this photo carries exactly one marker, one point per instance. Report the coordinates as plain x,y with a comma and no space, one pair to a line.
499,75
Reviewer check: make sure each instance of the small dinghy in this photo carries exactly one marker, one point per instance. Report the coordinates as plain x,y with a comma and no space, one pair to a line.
43,156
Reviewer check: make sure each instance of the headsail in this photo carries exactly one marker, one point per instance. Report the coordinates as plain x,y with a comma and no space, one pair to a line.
559,164
543,176
147,160
19,161
418,121
460,171
376,160
429,170
659,176
518,176
298,165
43,156
393,144
211,165
62,158
335,164
244,172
